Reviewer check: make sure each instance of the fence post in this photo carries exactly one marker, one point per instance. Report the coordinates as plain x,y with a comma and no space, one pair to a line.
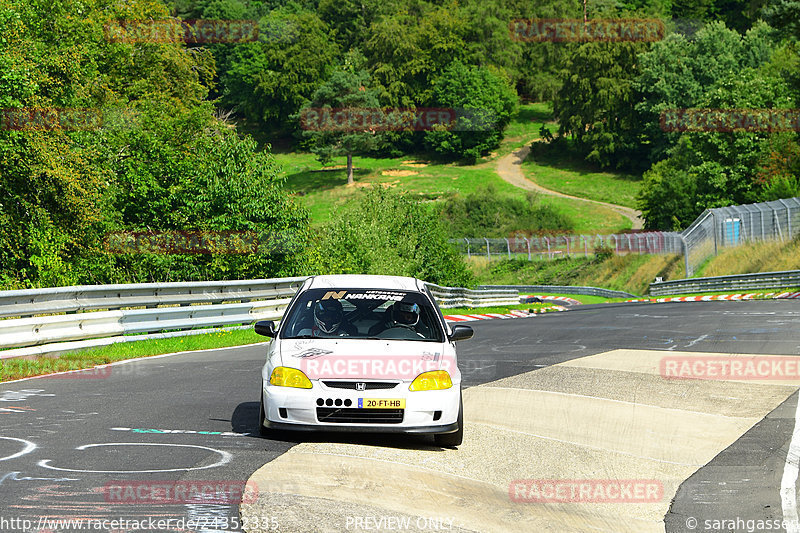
528,242
488,253
468,256
547,240
685,254
508,247
567,239
585,246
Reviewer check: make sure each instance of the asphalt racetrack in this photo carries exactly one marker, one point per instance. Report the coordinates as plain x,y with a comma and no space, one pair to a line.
570,425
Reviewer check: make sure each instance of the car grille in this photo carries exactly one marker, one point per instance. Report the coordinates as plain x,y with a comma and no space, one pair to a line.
338,415
369,385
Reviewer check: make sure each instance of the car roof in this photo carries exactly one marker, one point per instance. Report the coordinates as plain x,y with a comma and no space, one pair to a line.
362,281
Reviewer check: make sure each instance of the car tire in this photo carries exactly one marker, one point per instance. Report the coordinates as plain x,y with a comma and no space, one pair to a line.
451,440
264,432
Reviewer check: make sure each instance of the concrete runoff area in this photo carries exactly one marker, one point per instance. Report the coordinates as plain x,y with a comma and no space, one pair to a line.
611,418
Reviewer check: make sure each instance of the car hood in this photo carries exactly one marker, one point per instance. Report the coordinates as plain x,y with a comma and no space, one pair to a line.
365,358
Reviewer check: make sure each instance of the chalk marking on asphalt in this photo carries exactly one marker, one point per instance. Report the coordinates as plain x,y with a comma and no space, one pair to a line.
28,448
698,339
789,479
225,458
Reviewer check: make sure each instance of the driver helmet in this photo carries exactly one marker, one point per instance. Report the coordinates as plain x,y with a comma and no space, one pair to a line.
405,313
328,315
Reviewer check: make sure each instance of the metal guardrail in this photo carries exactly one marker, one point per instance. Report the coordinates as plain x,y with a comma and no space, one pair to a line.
42,329
563,289
449,297
103,314
22,303
762,280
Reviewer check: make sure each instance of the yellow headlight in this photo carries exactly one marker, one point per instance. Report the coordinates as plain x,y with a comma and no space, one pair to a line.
289,377
435,380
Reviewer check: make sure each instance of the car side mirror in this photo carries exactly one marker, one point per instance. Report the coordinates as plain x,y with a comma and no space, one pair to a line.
461,333
265,328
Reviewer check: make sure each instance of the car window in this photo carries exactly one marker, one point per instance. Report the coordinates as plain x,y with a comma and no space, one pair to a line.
363,314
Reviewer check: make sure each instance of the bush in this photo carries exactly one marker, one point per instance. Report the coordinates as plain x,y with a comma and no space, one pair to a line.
386,232
486,213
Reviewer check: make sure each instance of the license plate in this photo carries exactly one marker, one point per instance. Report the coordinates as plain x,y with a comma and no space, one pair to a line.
381,403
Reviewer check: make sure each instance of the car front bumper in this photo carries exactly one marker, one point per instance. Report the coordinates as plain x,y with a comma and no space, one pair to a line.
426,412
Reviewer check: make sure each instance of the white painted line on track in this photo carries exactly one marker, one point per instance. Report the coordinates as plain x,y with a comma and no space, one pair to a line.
789,479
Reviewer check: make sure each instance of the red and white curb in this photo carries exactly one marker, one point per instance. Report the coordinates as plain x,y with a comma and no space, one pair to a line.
565,299
511,314
729,297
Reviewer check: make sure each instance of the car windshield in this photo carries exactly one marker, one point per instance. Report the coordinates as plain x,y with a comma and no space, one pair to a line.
363,314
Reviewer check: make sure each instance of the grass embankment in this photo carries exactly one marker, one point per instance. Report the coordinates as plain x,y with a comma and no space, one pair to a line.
754,257
576,178
23,368
323,189
629,273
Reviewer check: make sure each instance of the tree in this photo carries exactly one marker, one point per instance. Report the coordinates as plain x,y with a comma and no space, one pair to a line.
382,231
270,80
485,102
334,120
595,103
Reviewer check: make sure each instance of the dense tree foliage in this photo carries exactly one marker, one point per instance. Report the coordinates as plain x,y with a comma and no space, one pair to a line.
153,157
386,232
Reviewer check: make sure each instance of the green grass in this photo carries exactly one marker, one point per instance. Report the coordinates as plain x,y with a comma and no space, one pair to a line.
323,189
581,180
526,126
21,368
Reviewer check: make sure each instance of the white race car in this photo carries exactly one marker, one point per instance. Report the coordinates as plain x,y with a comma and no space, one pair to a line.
363,353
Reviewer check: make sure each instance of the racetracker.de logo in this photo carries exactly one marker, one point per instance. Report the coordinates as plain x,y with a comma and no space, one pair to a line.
193,31
727,367
220,492
181,242
586,491
576,30
50,119
324,366
729,120
377,119
98,372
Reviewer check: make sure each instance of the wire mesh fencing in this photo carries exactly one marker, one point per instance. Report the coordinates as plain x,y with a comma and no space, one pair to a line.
554,246
713,230
723,227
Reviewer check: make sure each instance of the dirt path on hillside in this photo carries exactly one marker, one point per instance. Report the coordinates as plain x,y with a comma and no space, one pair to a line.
509,168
